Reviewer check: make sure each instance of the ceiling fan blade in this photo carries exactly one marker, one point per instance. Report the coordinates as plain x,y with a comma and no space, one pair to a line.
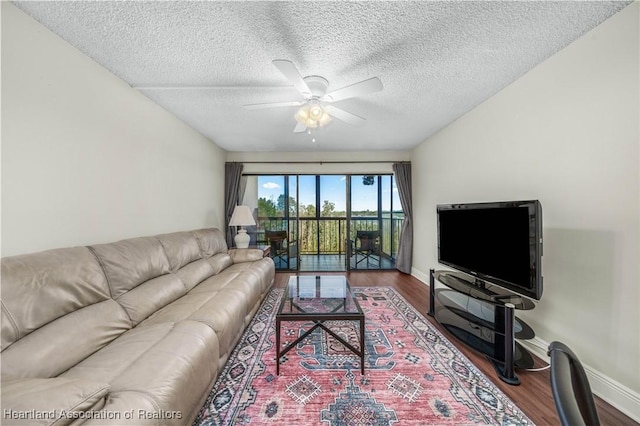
293,75
299,128
345,116
273,105
356,89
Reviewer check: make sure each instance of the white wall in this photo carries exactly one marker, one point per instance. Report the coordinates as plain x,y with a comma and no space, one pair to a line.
87,159
566,133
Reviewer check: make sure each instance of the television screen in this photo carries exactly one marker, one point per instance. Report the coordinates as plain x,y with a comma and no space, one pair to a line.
496,242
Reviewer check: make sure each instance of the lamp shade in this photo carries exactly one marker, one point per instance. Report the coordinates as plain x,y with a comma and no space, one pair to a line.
242,217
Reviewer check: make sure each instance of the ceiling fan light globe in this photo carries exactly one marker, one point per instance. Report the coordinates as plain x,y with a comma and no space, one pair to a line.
302,115
312,115
316,112
324,119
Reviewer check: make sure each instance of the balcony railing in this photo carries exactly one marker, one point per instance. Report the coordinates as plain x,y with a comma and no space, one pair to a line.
328,235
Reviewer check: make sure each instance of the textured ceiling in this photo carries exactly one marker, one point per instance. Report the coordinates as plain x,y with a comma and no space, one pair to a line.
203,61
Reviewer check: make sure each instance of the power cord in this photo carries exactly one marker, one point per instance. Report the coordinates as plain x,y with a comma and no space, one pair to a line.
537,369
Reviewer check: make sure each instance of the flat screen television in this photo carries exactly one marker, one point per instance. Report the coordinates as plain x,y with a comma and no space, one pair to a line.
498,242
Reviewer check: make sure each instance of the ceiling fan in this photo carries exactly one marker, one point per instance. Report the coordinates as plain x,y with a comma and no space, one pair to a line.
316,110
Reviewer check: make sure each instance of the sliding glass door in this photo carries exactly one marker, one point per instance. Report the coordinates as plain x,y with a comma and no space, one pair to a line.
322,222
318,222
375,221
273,200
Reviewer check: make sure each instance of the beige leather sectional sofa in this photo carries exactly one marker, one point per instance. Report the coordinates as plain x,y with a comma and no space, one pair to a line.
133,332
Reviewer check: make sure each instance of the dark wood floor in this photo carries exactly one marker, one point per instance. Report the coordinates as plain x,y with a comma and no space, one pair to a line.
533,396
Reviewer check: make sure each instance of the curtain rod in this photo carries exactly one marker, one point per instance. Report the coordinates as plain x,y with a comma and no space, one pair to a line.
318,162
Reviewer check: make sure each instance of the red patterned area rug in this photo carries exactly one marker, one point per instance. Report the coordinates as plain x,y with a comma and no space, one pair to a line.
413,375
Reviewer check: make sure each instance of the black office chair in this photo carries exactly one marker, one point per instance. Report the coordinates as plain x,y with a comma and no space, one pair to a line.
570,387
367,244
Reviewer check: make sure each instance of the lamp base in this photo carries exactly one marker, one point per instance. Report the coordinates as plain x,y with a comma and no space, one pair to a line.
242,239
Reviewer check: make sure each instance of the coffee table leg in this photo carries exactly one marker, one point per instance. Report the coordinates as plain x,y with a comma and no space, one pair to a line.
277,346
362,346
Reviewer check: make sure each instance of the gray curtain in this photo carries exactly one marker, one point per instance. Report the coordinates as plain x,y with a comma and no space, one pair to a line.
232,176
242,188
404,259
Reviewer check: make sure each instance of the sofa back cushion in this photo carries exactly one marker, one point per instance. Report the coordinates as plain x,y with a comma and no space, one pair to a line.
129,263
150,296
220,262
56,310
181,248
211,241
41,287
138,272
194,273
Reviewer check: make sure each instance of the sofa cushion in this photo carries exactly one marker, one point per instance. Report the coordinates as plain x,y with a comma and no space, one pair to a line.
223,312
263,270
128,405
217,282
222,301
57,400
242,277
211,241
128,263
219,262
150,296
61,344
195,272
38,288
181,248
244,281
171,364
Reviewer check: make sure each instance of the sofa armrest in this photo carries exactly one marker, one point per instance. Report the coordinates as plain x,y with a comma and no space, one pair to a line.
245,255
58,400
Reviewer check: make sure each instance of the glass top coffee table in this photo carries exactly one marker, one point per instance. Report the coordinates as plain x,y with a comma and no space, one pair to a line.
318,299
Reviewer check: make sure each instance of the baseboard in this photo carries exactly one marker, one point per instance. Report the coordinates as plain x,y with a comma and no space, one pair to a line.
420,275
618,395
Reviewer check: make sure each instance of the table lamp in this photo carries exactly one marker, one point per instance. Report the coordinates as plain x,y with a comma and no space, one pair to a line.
242,217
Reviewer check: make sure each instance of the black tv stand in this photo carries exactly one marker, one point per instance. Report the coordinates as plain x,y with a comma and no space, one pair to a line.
482,316
479,283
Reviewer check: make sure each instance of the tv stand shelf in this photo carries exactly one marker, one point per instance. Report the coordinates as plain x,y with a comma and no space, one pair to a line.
482,316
